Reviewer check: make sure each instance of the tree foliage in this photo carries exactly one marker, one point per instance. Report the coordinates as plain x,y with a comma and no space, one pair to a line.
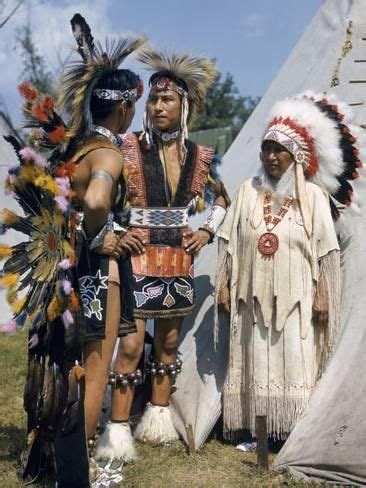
33,70
34,66
224,106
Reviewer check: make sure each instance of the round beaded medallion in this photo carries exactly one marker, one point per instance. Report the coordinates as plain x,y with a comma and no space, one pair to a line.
268,244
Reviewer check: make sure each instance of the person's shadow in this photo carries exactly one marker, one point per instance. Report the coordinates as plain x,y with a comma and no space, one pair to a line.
210,360
12,442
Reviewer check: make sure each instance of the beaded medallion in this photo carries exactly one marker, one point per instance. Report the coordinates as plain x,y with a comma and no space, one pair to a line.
268,242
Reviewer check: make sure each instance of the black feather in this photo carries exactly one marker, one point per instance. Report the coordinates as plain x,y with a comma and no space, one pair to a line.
33,390
83,37
18,262
344,193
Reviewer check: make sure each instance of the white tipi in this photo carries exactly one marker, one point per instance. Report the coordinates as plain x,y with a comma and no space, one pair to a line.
331,56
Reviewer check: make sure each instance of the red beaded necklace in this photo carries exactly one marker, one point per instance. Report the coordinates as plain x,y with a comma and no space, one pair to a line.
268,242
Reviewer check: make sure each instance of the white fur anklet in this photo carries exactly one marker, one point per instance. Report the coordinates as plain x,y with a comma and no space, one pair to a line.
116,442
156,425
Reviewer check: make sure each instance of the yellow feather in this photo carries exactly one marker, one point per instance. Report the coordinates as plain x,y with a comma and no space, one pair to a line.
5,251
66,246
8,217
53,309
200,204
9,280
48,183
17,306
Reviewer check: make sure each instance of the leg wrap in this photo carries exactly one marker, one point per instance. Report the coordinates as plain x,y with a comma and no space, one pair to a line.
121,380
116,442
156,425
162,369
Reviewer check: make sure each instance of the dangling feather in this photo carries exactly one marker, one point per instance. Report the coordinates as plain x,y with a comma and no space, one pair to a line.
83,37
59,398
33,389
48,394
72,413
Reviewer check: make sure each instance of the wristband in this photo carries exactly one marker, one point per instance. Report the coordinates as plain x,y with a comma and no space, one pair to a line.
214,219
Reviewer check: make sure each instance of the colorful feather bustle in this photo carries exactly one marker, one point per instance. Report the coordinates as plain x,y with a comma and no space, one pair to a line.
34,263
39,285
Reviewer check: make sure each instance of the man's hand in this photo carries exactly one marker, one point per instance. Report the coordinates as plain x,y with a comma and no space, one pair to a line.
194,242
224,300
111,246
132,243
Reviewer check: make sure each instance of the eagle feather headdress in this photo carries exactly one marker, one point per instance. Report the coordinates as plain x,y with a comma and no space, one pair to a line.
81,77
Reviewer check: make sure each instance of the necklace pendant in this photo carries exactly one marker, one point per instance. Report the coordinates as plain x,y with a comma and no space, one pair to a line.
268,244
270,226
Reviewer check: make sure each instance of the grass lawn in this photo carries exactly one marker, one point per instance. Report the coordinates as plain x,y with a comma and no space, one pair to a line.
216,465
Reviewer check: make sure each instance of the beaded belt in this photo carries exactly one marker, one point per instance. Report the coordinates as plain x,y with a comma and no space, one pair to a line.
162,261
160,218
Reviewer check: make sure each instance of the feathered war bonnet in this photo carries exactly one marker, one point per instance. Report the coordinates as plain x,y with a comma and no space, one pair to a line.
81,77
318,132
188,76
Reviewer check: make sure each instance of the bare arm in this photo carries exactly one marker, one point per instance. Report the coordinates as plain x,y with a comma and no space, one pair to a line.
105,169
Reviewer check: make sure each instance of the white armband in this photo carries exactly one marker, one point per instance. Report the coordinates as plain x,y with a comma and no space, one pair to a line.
215,219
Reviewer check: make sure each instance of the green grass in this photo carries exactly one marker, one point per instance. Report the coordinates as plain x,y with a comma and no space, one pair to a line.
216,465
13,361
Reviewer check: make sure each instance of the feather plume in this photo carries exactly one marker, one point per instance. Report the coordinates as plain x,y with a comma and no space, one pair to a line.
81,77
7,217
9,280
197,73
17,306
83,37
5,251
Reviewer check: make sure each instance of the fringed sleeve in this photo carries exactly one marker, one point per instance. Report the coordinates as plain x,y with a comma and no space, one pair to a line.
330,274
223,273
227,244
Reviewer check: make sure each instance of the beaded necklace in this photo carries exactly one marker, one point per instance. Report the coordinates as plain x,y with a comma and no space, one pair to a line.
116,139
268,242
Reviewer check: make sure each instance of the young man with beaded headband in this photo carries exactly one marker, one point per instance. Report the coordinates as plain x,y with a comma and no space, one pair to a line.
168,178
82,174
100,100
279,269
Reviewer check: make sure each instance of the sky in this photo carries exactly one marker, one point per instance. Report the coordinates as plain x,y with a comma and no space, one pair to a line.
249,39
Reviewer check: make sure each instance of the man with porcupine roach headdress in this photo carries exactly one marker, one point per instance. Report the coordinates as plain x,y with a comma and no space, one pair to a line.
100,100
168,177
69,214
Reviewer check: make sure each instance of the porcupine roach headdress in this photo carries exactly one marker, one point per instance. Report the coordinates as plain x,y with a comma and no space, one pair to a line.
189,76
318,131
81,77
